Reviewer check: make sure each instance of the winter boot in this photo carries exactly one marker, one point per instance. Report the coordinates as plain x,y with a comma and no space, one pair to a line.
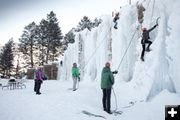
108,111
148,49
115,27
142,58
74,89
38,93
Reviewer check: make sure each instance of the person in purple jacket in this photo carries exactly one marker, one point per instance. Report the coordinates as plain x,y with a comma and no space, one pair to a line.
38,80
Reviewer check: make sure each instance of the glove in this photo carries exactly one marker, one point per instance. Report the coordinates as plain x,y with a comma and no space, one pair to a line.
115,72
156,25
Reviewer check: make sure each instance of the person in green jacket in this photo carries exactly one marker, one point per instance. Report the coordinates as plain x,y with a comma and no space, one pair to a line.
107,80
75,75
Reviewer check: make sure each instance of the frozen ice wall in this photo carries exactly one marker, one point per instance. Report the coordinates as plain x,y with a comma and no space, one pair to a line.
122,48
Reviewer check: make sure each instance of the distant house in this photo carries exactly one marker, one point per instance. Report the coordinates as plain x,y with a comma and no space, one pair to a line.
49,70
30,73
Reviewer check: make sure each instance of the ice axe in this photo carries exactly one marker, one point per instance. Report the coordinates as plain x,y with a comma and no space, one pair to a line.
157,20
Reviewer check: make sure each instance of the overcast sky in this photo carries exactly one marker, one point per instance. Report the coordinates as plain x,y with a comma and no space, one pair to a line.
16,14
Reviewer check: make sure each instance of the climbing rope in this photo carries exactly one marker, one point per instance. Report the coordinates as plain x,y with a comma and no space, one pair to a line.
116,106
152,14
148,4
126,50
93,54
96,50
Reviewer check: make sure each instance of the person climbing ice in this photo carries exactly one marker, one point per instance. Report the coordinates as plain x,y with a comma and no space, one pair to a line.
145,40
115,20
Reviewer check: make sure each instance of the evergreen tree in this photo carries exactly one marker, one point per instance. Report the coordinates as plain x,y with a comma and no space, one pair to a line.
97,22
51,36
84,23
28,42
69,37
6,58
17,69
42,40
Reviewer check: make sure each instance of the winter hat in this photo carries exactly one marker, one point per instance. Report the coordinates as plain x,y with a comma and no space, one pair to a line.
107,64
74,65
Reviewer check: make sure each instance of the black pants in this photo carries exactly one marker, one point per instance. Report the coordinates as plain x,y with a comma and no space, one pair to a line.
144,47
115,24
37,86
106,99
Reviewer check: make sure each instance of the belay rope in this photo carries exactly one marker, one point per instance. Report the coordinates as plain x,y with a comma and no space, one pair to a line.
152,11
125,54
126,50
116,106
93,55
96,49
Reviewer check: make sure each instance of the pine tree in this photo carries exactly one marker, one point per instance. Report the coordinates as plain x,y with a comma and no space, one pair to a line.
17,69
6,58
97,22
42,40
51,36
28,42
69,37
84,23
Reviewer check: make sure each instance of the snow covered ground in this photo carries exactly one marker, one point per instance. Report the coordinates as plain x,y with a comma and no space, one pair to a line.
151,84
57,102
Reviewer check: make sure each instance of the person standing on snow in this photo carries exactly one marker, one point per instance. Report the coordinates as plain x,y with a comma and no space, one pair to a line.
75,75
35,79
107,80
38,80
145,39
